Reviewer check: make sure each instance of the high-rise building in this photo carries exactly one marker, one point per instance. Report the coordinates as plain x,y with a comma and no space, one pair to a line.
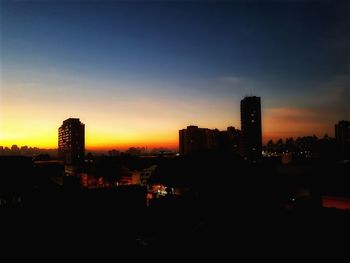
251,145
342,136
71,141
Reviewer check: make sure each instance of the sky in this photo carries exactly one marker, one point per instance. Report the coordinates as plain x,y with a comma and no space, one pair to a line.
136,72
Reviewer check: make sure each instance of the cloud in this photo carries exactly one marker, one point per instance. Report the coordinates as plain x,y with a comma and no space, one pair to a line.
313,115
288,121
334,98
237,85
233,80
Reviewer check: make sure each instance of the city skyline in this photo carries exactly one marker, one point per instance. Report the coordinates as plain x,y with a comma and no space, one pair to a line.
230,129
136,73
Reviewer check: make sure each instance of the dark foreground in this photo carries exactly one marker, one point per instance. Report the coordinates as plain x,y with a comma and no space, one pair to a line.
251,211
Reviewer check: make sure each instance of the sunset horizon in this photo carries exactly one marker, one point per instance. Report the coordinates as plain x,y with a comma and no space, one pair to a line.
168,140
136,73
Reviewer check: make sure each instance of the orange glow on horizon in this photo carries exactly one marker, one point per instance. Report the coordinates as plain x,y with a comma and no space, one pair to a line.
95,138
150,141
138,123
33,117
169,143
293,122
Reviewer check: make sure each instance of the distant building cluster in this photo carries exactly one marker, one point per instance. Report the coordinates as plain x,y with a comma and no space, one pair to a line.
312,147
34,152
301,148
247,141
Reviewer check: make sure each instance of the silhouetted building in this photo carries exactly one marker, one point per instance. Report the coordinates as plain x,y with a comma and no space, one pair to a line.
17,174
71,141
251,128
231,140
342,136
194,140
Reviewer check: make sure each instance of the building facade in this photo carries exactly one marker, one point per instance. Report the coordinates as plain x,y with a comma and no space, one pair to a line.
251,146
71,141
194,140
342,136
232,139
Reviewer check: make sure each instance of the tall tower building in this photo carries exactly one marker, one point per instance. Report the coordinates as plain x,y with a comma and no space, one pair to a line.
71,141
251,128
342,136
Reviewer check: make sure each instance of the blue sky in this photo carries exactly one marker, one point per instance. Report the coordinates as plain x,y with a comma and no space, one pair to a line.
198,57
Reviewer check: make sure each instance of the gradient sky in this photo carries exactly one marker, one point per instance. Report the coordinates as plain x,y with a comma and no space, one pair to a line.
135,73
